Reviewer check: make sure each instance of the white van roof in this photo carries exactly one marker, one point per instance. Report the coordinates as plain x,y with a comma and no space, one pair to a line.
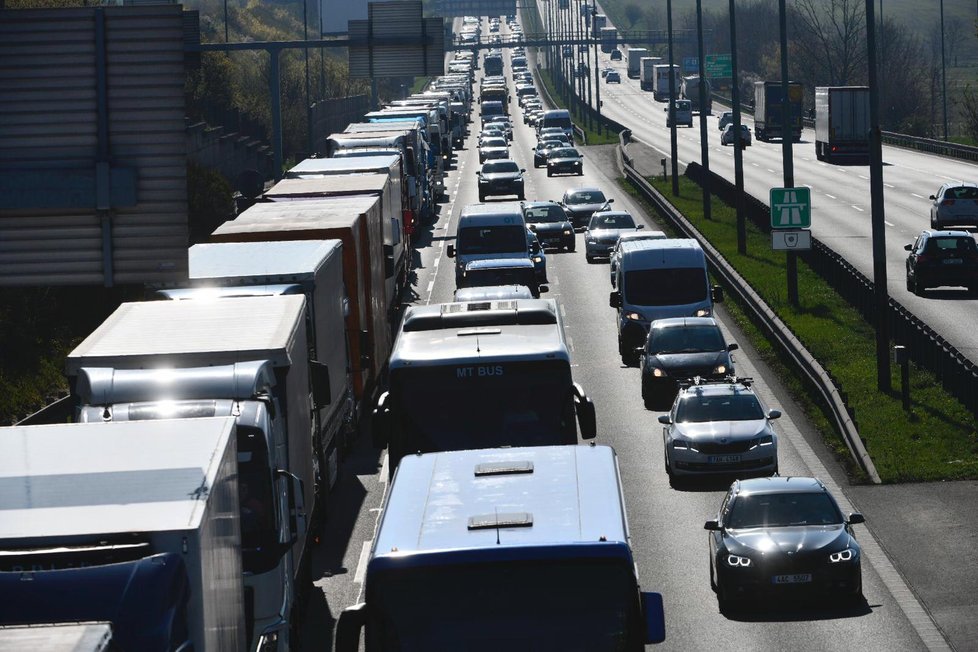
494,213
671,252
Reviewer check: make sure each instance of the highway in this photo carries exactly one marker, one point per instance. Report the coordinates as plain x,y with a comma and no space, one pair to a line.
666,524
840,196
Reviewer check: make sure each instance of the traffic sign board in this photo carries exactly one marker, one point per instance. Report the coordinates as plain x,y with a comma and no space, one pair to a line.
718,66
791,240
691,64
791,208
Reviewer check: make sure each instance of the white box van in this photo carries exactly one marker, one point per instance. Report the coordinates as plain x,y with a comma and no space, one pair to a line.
486,231
557,118
658,279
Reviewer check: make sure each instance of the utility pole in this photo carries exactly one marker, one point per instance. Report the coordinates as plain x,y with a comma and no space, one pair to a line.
738,143
704,139
673,138
787,163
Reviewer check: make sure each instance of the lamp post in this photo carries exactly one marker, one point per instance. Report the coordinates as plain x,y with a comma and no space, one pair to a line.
671,112
704,140
737,142
791,259
943,72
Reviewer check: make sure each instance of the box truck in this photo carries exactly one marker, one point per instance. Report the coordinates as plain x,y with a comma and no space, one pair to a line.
691,91
635,61
647,72
247,359
842,123
660,81
769,120
356,222
135,524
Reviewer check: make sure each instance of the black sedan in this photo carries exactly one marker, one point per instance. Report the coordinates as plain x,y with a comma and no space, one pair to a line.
581,203
564,160
942,258
680,348
503,177
542,150
783,538
549,221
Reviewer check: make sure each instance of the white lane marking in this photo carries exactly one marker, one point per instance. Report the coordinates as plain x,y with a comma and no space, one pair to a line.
570,344
917,196
810,187
858,209
361,573
384,470
830,196
889,224
431,285
770,170
437,260
886,185
863,176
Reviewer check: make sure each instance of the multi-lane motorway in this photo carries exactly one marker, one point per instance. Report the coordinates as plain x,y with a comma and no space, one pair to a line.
840,197
666,524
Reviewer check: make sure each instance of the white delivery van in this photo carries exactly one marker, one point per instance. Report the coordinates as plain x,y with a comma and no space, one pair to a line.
658,279
488,231
557,118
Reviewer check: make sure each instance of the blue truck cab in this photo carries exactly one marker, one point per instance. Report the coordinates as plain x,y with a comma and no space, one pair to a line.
500,549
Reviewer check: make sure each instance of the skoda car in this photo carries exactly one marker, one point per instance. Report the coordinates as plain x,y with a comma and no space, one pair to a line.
719,428
550,224
503,177
493,148
939,258
580,204
781,538
603,231
680,348
564,160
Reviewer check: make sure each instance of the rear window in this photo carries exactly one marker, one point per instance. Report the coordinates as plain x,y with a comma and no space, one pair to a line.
935,245
963,192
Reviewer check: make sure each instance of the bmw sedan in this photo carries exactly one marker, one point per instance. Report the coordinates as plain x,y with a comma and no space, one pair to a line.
564,160
503,177
542,151
580,204
783,538
549,222
727,137
681,348
719,428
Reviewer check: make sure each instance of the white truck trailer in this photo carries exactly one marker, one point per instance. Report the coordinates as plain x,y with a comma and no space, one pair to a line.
842,123
635,61
136,524
647,72
660,82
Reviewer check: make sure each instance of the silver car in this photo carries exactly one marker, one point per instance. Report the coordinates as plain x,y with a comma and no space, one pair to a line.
719,428
603,230
955,204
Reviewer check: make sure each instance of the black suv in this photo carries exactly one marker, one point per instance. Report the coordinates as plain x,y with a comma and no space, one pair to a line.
549,221
942,258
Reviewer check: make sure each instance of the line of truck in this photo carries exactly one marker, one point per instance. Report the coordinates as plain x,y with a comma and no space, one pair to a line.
174,494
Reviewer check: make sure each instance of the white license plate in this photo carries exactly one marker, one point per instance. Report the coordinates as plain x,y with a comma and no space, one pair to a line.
723,459
953,261
800,578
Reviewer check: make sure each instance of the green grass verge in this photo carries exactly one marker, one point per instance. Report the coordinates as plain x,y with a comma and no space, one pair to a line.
937,440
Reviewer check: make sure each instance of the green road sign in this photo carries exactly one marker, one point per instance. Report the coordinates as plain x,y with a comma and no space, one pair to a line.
718,66
791,208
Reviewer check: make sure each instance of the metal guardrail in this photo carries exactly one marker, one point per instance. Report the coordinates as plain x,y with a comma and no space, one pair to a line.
776,328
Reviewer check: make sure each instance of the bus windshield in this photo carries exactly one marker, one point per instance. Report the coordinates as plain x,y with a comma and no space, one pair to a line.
507,606
484,405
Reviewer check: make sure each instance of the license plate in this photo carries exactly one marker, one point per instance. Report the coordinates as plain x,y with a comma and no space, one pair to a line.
723,459
953,261
800,578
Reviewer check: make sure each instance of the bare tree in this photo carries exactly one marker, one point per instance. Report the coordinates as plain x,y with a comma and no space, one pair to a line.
968,106
832,36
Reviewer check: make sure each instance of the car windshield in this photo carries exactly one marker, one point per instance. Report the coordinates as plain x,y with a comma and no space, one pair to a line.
783,510
699,408
548,213
492,239
611,221
549,144
686,339
494,142
666,286
564,152
585,197
495,167
963,192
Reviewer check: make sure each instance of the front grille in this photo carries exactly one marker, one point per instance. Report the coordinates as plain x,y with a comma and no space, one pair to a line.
718,448
729,466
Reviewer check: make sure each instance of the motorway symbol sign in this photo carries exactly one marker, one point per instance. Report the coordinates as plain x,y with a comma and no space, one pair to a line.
718,66
791,208
791,240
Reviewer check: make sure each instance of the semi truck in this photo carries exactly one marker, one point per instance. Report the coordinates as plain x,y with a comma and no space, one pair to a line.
313,269
247,359
597,22
396,257
635,61
135,524
691,91
608,37
501,371
499,549
769,121
660,81
493,64
842,123
423,125
647,72
356,222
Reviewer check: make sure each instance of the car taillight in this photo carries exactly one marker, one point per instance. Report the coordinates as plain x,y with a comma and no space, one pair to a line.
921,258
407,217
947,202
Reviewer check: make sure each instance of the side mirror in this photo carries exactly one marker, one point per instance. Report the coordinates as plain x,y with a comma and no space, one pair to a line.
295,499
321,392
856,518
450,251
639,227
712,526
717,294
388,261
732,346
614,299
478,173
774,414
366,357
655,617
348,627
934,197
522,170
908,247
586,419
544,289
665,419
380,428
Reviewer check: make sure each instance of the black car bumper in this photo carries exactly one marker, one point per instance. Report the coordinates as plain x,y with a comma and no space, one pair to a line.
768,580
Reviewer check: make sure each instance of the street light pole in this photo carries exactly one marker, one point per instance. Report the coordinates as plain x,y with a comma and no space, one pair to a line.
704,140
737,142
787,136
673,138
943,72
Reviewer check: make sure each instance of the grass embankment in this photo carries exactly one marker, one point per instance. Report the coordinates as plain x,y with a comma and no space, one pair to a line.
937,440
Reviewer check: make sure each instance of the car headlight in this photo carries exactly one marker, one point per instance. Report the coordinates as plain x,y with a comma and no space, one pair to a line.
702,312
634,316
737,560
843,555
766,440
720,369
658,373
567,232
537,259
682,444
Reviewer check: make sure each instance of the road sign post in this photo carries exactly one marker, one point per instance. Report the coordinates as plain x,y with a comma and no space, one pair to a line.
719,66
791,217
